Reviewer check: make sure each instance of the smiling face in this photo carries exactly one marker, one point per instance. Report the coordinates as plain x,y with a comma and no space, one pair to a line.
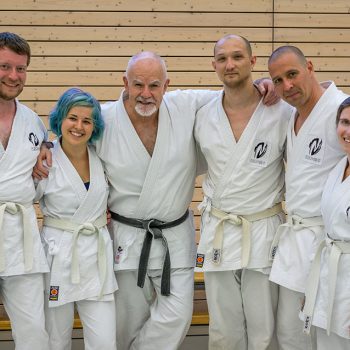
293,79
343,130
77,127
232,61
145,83
13,74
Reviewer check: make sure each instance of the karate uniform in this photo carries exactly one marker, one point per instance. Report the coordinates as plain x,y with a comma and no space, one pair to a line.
244,178
335,211
159,187
310,157
22,258
64,196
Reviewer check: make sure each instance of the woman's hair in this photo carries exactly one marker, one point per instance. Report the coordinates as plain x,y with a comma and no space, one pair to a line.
71,98
343,105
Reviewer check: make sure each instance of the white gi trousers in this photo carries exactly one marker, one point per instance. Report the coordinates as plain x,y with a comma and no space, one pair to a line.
289,327
242,307
23,298
147,320
98,320
331,342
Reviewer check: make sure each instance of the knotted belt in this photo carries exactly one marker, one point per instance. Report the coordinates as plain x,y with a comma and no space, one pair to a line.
87,229
296,222
14,208
238,220
153,228
337,249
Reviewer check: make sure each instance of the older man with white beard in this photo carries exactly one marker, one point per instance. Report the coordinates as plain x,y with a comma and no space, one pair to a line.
151,161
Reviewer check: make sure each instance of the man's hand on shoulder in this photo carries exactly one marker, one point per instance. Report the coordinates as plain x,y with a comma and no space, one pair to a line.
40,170
267,90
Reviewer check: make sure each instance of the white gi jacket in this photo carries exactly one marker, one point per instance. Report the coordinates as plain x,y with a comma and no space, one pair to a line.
159,187
311,155
16,186
63,195
244,177
336,215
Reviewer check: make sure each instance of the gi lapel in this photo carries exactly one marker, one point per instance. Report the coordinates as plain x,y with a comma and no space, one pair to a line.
238,148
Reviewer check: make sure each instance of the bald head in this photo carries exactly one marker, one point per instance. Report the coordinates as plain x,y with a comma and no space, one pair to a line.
146,57
287,49
235,37
145,82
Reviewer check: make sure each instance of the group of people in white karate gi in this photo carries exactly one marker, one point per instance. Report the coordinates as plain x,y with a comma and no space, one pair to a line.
140,156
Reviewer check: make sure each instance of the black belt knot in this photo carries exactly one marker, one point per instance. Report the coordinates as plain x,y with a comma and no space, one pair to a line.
153,228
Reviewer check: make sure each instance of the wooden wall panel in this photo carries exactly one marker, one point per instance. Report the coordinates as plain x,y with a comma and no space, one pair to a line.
141,5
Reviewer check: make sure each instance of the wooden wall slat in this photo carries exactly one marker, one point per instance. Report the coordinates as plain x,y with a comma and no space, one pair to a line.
128,49
312,35
191,64
140,5
127,34
312,20
312,6
139,19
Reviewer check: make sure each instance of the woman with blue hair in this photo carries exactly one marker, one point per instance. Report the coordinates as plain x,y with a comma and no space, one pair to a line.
73,200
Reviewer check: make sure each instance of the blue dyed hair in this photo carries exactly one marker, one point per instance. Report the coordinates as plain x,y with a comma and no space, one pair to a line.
71,98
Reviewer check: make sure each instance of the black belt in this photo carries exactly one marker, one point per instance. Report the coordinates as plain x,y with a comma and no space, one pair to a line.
153,229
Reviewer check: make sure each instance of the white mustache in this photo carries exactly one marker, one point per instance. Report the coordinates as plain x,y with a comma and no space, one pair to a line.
145,100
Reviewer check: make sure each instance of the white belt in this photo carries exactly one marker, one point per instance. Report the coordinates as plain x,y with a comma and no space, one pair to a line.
84,229
14,208
337,249
296,222
238,220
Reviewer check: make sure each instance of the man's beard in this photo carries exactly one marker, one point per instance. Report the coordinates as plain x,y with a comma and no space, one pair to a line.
145,110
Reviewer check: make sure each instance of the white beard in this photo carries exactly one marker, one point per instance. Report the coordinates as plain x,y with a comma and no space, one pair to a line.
145,110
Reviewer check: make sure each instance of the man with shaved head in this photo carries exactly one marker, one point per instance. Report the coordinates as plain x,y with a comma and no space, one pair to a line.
312,151
151,161
243,142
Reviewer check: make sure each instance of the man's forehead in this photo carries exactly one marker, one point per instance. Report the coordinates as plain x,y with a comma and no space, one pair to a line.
231,42
146,79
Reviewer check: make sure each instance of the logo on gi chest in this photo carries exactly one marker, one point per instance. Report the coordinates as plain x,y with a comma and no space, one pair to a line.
260,153
315,146
260,150
314,150
34,141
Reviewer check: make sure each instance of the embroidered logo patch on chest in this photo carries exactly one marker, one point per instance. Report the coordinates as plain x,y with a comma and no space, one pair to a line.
260,153
34,141
54,290
314,150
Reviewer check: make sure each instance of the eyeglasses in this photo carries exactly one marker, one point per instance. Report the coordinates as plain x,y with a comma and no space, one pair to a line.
7,67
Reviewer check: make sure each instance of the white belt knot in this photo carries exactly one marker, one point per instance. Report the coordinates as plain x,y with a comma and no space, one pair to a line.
13,209
297,223
238,220
88,229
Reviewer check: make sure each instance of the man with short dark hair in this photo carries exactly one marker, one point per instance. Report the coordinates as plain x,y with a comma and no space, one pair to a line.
22,259
312,152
